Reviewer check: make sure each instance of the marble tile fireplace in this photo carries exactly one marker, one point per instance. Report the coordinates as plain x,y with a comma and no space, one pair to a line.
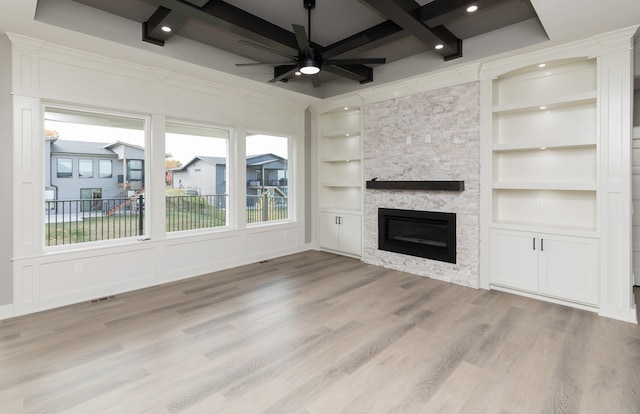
431,137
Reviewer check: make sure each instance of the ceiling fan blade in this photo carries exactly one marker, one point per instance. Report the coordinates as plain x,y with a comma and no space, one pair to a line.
301,38
268,49
363,61
284,75
315,81
266,63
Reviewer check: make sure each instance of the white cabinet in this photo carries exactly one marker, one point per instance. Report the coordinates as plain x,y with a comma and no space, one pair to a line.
339,172
341,232
558,266
544,179
513,260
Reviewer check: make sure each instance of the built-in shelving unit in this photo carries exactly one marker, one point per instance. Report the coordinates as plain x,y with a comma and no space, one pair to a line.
340,178
544,145
544,156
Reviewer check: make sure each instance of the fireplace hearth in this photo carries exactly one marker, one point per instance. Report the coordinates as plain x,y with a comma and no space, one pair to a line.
427,234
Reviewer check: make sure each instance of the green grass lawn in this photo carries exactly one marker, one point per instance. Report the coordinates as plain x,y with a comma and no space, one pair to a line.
182,213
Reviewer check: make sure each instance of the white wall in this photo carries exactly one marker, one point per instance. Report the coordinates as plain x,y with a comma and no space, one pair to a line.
49,277
6,282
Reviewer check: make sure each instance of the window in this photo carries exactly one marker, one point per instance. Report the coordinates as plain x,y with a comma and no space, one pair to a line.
105,168
64,167
112,209
268,194
196,194
85,168
135,170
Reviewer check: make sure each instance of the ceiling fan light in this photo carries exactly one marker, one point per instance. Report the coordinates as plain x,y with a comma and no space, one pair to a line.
166,29
439,46
309,69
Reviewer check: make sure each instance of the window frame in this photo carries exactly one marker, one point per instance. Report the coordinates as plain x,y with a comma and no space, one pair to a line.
229,202
80,162
290,194
134,121
58,167
100,163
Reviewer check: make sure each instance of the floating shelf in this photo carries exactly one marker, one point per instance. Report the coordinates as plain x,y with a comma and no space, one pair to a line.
416,185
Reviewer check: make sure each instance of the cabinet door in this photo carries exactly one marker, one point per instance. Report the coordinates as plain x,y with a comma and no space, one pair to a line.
514,260
329,231
568,267
351,234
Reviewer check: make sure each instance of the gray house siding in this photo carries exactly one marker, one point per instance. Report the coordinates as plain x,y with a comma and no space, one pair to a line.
74,186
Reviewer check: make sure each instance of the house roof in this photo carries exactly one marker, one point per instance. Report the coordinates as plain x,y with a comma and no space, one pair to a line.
118,143
262,159
62,146
204,158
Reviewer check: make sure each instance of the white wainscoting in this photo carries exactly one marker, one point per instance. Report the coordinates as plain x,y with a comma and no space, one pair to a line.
42,74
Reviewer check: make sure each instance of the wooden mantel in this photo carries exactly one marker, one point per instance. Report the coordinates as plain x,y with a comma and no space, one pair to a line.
416,185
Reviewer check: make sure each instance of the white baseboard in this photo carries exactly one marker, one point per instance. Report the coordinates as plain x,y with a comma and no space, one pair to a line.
6,312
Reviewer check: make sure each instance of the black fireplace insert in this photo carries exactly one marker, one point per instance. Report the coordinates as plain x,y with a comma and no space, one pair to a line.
427,234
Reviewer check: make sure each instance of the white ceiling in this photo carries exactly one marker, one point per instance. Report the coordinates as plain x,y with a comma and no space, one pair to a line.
78,26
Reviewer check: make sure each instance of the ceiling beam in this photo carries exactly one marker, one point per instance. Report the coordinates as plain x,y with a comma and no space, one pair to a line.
360,73
407,14
441,12
387,30
232,19
152,29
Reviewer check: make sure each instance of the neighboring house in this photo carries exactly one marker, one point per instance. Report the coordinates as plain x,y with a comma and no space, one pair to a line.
266,172
78,170
207,175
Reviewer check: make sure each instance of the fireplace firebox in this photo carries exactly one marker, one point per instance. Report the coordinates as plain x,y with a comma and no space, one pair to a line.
427,234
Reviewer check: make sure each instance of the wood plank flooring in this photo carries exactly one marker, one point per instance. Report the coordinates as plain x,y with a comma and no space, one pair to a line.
318,333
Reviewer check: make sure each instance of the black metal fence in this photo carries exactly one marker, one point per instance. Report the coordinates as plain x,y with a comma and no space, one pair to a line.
266,207
196,212
81,221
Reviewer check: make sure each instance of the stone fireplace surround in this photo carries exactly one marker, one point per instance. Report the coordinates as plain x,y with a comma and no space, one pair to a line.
432,135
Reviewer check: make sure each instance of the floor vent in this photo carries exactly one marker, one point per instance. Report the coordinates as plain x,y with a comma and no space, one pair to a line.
103,299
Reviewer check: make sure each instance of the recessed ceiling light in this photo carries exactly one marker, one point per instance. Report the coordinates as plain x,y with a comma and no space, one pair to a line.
166,29
543,107
346,108
439,46
542,65
346,135
472,8
543,148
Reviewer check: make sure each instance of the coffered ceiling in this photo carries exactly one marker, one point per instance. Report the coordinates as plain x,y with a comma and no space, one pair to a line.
260,35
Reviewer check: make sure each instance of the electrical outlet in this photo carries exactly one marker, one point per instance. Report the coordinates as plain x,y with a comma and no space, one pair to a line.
408,140
79,267
540,203
427,138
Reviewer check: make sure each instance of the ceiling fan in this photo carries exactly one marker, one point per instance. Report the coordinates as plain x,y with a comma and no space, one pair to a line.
310,61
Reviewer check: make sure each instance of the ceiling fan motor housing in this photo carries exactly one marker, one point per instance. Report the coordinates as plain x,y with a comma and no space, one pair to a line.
309,4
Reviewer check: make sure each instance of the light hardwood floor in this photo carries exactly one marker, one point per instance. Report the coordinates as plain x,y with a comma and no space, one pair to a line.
318,333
